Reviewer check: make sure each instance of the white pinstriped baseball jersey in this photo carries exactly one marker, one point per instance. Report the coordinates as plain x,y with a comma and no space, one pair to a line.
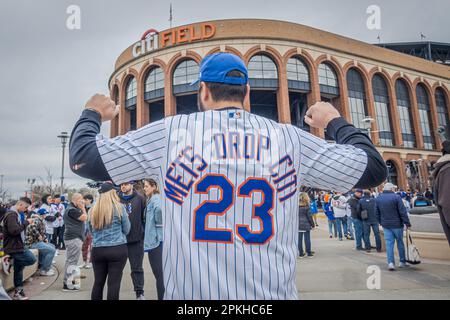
230,183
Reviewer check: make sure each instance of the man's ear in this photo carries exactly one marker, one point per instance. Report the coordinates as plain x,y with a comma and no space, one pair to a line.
204,92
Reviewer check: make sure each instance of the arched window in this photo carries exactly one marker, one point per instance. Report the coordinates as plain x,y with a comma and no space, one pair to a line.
382,108
404,112
131,93
298,75
392,172
441,107
425,117
130,101
154,94
357,98
328,80
299,86
262,72
154,84
185,73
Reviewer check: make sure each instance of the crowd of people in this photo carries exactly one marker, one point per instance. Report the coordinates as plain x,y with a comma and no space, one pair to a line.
124,224
121,225
354,216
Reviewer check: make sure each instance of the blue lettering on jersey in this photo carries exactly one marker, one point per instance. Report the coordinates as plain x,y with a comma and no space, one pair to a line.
175,188
239,145
285,177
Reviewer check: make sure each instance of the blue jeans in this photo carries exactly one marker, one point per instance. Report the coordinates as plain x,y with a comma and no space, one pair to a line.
341,223
390,236
359,233
21,260
350,226
46,254
307,235
376,232
331,224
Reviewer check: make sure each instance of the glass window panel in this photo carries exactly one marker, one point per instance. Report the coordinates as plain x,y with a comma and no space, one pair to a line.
154,80
441,108
297,70
327,76
131,91
186,72
262,67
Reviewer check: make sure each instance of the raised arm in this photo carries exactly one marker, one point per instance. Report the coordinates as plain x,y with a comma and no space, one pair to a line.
136,155
351,162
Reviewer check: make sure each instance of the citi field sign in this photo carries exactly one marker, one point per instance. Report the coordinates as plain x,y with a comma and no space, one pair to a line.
152,39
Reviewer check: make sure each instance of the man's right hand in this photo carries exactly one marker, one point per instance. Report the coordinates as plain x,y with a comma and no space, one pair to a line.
103,105
320,115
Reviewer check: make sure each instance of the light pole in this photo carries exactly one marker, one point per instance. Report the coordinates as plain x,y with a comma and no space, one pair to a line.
31,182
64,137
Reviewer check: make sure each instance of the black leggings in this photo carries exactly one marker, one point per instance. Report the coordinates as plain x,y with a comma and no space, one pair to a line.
155,258
108,262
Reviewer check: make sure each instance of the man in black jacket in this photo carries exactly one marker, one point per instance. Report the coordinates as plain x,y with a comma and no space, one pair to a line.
135,206
14,224
367,203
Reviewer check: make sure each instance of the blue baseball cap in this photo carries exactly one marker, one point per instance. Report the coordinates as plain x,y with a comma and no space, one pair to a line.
215,67
42,211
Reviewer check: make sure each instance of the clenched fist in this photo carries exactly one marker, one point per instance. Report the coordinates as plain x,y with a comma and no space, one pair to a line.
320,114
103,105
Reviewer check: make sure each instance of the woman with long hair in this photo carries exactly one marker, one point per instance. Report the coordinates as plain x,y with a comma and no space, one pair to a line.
153,240
109,225
305,224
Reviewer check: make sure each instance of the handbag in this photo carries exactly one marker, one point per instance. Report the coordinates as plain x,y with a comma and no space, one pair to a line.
412,253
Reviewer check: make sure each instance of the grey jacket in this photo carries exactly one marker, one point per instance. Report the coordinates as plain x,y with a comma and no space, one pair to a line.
305,221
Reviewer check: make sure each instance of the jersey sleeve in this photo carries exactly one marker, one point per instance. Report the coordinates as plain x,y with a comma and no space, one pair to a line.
135,155
329,166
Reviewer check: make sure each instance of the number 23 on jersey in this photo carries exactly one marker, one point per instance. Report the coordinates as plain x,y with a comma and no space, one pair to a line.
260,211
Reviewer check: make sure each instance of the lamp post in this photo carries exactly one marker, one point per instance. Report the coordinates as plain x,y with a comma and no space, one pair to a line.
31,182
63,137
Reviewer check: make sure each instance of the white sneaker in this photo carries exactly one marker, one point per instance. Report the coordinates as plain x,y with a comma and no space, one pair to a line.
403,265
88,266
56,253
391,267
48,273
81,266
141,297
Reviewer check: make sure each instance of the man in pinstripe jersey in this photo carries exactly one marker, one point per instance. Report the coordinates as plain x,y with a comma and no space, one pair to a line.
230,182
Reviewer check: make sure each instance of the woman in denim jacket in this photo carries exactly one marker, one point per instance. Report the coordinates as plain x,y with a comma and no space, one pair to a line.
153,240
109,225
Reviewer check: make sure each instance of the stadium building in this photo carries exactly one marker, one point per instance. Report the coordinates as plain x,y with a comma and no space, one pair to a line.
398,97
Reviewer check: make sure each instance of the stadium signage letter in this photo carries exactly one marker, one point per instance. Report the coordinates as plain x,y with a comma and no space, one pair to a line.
149,42
153,40
187,34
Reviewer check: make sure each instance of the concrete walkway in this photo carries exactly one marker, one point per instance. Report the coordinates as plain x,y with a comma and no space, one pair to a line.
337,271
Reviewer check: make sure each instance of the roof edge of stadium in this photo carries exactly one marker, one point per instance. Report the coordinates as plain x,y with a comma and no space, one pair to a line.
412,65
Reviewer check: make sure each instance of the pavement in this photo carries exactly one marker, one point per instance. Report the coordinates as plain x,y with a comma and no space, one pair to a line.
337,271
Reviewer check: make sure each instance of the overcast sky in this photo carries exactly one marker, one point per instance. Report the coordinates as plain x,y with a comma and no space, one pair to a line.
48,71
